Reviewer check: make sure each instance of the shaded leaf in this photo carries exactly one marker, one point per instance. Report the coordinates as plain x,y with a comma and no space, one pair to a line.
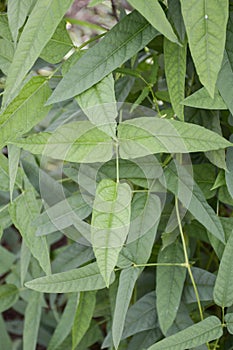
5,338
224,82
6,260
128,37
9,294
6,55
13,156
229,322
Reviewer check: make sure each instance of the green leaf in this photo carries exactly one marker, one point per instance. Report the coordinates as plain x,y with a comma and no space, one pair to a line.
9,294
79,142
142,136
23,210
202,99
110,223
78,280
99,104
4,27
123,41
198,334
58,46
13,156
6,260
205,23
32,321
17,12
25,257
5,338
182,185
223,289
154,14
229,172
175,17
169,284
229,38
224,82
65,323
175,70
21,115
128,278
38,30
6,55
83,316
229,322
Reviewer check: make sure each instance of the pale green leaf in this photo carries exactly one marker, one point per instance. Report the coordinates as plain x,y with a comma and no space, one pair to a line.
4,27
127,282
58,46
99,104
229,172
6,260
110,223
25,257
83,316
205,22
175,70
5,338
229,38
229,322
23,210
65,323
41,25
142,136
78,280
6,55
21,115
17,11
13,156
198,334
169,284
224,82
153,12
123,41
202,99
75,142
223,289
9,294
182,185
32,321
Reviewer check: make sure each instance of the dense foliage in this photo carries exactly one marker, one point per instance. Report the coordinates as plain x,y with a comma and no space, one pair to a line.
116,176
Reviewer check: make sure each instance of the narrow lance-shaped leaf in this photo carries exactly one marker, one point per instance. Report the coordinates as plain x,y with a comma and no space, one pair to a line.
205,22
83,316
75,142
23,210
13,156
110,223
198,334
78,280
32,321
153,12
123,41
175,70
142,136
127,282
223,289
39,28
99,104
169,284
21,115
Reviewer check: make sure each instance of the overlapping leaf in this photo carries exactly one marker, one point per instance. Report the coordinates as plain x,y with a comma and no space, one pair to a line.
9,294
202,99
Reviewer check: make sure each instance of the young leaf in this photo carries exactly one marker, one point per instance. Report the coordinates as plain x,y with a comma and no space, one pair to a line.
205,23
83,316
23,210
9,294
110,223
142,136
128,37
65,323
175,70
78,280
127,282
202,99
38,30
99,104
198,334
154,14
13,156
223,289
32,321
169,284
181,184
79,142
21,115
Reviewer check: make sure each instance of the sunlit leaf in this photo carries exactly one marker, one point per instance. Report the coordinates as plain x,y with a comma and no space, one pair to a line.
202,99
